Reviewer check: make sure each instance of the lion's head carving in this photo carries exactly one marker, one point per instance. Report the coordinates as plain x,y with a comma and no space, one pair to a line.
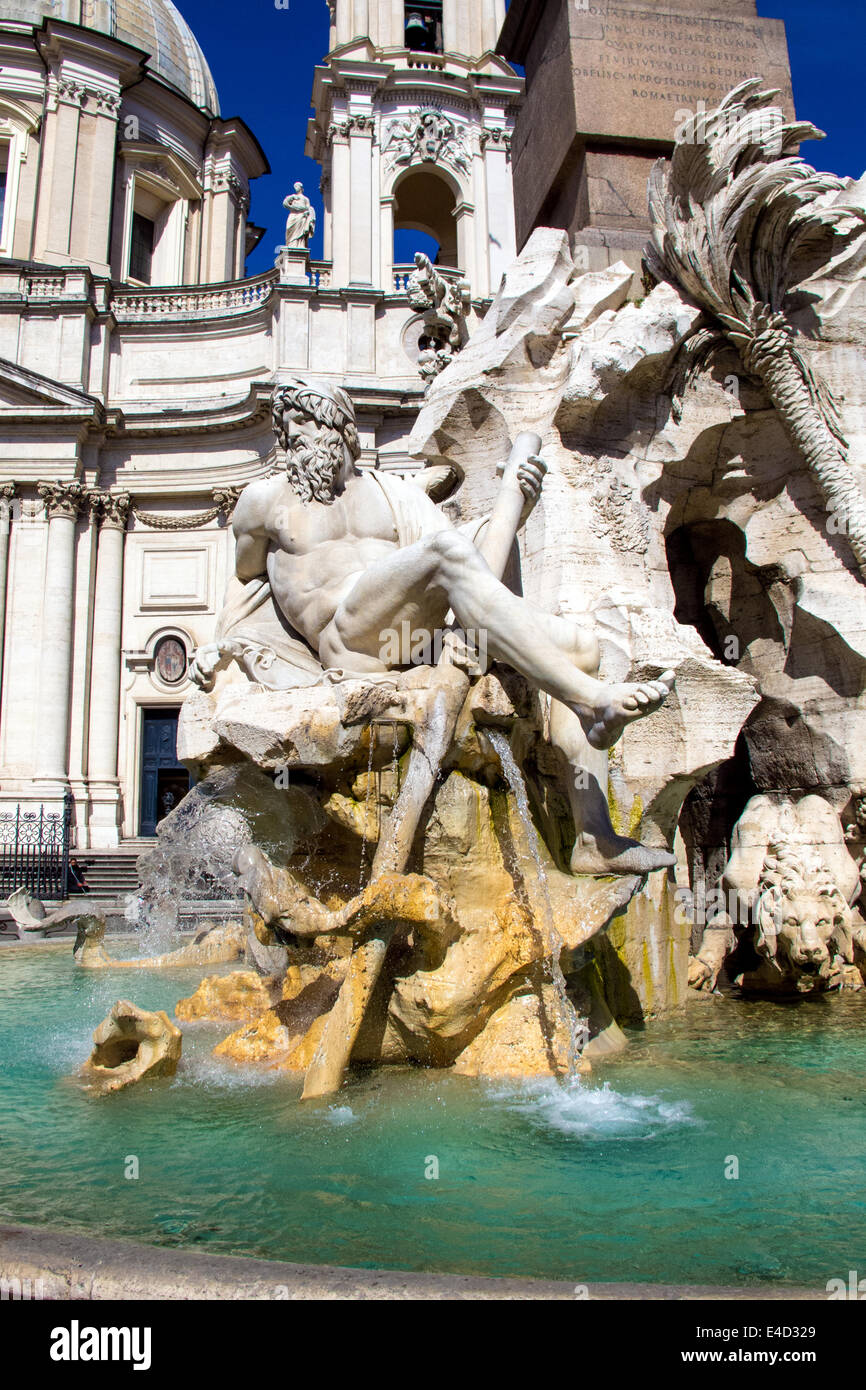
801,918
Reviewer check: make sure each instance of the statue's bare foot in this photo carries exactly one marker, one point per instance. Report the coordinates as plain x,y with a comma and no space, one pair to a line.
702,976
617,855
619,705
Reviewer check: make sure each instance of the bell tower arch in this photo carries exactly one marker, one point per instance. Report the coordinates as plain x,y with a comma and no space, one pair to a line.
412,127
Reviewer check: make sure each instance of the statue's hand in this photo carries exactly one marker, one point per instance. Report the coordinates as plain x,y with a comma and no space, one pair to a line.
204,664
530,477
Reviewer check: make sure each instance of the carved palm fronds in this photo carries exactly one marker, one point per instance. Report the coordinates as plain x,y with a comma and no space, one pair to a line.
739,222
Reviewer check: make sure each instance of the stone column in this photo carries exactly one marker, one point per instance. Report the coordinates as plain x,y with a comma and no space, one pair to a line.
362,19
57,176
62,501
361,176
396,35
105,671
496,143
328,228
90,227
7,492
386,243
344,22
493,18
341,202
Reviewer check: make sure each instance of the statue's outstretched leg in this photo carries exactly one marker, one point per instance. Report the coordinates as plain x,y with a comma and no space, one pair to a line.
598,849
420,582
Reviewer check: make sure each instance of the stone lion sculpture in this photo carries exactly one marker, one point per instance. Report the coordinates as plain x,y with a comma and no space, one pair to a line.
787,924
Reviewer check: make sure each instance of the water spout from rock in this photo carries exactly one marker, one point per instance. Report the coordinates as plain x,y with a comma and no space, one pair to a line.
576,1028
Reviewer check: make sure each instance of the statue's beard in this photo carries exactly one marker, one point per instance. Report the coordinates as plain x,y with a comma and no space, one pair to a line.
313,468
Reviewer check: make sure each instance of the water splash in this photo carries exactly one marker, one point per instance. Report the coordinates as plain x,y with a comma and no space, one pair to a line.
395,756
576,1029
596,1113
191,862
341,1115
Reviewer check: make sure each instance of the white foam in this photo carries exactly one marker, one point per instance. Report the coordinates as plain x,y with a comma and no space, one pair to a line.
584,1111
341,1115
215,1074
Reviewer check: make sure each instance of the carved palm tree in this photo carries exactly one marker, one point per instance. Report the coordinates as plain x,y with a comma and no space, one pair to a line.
738,222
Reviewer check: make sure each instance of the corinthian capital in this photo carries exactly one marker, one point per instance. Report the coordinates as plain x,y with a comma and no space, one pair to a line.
64,89
62,499
110,509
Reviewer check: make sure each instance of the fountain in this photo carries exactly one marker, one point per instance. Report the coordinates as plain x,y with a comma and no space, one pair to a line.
413,781
446,957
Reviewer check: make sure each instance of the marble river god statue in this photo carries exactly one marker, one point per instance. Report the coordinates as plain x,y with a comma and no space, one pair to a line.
351,560
356,603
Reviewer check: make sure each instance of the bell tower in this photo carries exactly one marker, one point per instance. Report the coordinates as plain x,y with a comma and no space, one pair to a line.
412,127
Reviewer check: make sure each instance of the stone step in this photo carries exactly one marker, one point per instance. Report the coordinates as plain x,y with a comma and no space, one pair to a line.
110,873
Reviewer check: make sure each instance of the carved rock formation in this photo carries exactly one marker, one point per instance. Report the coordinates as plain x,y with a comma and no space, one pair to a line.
131,1045
234,998
212,946
30,916
467,939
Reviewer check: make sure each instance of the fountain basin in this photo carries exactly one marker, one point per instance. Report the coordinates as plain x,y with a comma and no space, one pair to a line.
618,1178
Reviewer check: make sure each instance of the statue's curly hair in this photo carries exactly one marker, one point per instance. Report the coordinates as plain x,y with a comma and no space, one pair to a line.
327,405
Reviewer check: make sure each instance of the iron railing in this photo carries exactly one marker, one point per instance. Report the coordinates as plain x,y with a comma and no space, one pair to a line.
34,851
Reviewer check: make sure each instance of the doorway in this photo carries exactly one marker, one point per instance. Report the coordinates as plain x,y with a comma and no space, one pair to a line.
164,781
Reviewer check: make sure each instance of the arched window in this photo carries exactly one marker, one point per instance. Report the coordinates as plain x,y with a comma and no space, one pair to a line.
425,203
17,124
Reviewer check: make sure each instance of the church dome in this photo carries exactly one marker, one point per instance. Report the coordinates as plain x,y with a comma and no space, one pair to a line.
154,26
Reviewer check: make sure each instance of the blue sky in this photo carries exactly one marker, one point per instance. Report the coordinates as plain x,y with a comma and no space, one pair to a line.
263,57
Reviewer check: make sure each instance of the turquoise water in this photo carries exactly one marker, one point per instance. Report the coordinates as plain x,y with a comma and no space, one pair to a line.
620,1177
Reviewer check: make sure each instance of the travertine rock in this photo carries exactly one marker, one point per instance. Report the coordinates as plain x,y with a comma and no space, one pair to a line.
516,1043
469,934
233,998
131,1045
643,956
275,1036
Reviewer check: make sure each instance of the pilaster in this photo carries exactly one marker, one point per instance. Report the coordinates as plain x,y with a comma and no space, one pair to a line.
7,492
361,194
111,511
62,502
87,73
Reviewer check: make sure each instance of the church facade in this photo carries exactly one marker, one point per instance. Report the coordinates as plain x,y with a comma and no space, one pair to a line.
137,362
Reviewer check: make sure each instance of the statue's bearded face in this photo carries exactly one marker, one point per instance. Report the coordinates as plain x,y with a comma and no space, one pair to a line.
315,458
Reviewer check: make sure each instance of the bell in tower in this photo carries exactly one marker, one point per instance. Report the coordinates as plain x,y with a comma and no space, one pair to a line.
423,33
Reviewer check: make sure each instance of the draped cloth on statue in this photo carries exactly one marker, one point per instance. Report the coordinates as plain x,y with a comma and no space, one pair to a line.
252,627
